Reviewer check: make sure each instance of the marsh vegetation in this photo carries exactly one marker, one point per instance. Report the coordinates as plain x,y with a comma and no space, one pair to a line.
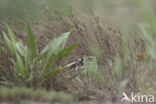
74,52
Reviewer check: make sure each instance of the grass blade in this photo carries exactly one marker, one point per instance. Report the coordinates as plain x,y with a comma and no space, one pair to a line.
11,34
31,41
66,51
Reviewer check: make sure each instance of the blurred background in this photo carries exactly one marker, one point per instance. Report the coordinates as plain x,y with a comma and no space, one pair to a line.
118,11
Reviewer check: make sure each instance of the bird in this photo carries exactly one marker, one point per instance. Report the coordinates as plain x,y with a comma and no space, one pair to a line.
77,66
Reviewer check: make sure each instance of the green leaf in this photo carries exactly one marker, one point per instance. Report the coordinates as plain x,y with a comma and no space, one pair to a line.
49,62
9,43
66,51
55,71
47,47
20,48
20,64
59,44
92,68
11,34
56,45
21,67
32,42
54,48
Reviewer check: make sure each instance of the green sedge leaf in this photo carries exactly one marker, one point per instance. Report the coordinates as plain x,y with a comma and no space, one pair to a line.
11,34
55,71
47,47
9,43
56,45
31,41
20,48
66,51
